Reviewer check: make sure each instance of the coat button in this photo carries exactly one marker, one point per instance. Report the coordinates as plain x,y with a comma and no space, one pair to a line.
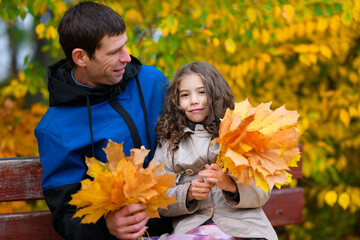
210,211
189,172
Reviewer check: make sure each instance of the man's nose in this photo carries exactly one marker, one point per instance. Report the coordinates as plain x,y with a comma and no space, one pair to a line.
125,56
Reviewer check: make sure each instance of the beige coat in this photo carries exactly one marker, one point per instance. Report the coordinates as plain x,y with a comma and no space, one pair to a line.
244,219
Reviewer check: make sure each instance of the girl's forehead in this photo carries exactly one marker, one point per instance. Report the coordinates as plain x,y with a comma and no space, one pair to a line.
191,77
190,80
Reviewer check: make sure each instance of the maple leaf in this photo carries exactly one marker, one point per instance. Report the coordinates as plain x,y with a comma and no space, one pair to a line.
120,182
258,145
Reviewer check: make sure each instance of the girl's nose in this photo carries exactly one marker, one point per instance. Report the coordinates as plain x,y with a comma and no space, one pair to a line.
194,99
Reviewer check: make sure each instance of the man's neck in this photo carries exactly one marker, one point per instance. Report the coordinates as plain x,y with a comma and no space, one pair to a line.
77,79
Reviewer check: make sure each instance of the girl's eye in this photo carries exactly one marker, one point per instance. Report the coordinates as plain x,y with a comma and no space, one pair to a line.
184,95
202,92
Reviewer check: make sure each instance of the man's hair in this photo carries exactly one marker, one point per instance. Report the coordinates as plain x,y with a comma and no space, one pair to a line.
172,120
85,24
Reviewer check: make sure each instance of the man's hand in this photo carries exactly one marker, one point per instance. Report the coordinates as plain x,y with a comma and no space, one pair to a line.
214,173
128,222
198,190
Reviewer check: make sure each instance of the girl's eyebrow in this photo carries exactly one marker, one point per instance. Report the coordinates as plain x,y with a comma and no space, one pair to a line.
185,89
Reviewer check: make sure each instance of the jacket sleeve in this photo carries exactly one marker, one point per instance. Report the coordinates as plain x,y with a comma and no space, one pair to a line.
179,191
62,216
250,196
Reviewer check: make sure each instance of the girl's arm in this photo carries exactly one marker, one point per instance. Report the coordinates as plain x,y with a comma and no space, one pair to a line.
179,191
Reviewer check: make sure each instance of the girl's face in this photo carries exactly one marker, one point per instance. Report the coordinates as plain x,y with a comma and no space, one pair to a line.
193,98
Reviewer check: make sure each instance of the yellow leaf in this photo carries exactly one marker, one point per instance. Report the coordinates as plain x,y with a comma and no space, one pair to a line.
21,76
288,12
117,6
301,48
216,42
206,32
277,12
344,200
174,26
133,15
39,7
165,29
166,7
251,14
344,117
230,45
265,36
331,198
255,34
304,59
322,25
261,183
50,33
353,77
300,30
40,28
310,27
325,51
312,58
60,8
260,65
196,13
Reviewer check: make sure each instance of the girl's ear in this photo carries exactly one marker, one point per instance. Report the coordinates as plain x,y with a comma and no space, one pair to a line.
80,57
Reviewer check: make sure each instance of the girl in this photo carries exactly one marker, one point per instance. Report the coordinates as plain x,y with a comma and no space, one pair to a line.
211,205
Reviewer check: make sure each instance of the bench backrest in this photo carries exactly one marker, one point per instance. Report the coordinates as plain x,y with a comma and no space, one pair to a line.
20,179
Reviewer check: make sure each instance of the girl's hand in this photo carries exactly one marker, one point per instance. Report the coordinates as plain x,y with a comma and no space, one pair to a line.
198,190
214,173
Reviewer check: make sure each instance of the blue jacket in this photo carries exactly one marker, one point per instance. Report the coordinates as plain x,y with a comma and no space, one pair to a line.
79,123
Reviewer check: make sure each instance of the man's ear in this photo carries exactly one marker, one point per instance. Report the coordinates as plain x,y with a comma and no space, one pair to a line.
80,57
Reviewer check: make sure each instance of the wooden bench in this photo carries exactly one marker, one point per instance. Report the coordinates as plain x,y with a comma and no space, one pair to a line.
20,179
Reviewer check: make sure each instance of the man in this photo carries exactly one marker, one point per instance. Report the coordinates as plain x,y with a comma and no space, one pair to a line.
99,92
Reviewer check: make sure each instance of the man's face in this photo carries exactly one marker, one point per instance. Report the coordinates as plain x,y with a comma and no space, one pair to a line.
108,63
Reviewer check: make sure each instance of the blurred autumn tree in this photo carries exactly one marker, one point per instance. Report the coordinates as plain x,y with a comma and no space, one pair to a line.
304,54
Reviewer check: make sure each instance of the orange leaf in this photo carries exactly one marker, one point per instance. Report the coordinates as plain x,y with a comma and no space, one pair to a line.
257,145
120,182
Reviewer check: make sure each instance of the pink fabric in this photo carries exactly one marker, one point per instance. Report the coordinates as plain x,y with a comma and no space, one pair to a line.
204,232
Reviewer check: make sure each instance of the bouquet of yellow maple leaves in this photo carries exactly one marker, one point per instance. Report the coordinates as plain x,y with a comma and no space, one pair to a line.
120,182
258,145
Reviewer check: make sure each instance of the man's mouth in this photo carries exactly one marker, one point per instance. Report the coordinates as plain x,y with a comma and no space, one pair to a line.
120,71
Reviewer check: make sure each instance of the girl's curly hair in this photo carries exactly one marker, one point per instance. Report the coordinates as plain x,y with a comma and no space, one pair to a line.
172,121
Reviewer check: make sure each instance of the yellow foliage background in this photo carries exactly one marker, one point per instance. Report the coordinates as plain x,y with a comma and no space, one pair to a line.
304,54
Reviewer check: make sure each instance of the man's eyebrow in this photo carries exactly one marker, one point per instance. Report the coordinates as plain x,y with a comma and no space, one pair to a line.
118,48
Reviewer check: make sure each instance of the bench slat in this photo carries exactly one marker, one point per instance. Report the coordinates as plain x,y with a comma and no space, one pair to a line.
34,225
285,206
20,179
